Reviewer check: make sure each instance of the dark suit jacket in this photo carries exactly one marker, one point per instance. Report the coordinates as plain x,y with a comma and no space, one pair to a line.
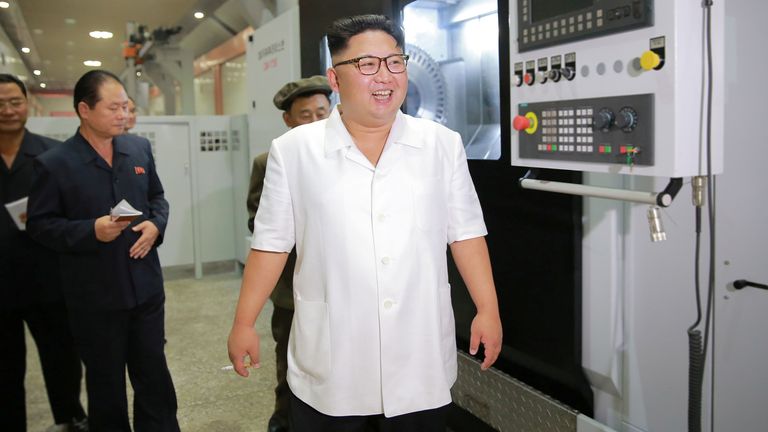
74,187
28,271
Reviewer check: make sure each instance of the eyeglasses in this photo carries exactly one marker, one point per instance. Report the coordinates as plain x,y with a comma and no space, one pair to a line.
13,103
370,65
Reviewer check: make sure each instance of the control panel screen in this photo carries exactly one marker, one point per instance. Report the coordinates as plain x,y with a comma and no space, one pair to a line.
545,9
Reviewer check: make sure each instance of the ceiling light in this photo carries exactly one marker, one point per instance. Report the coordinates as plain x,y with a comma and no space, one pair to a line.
4,5
138,73
36,72
42,85
94,63
70,21
25,50
100,34
199,15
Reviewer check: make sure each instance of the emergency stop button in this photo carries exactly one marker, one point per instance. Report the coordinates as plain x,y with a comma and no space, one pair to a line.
528,123
521,123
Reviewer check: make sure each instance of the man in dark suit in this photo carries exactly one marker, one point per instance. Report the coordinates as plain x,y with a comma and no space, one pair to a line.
111,273
30,284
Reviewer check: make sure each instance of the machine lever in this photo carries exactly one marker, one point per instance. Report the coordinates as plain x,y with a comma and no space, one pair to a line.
743,283
661,199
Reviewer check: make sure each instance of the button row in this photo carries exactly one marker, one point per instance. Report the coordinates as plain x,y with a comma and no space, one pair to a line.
568,148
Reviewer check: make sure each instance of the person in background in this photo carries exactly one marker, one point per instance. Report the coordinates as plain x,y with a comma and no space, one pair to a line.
30,285
302,102
113,284
130,123
371,198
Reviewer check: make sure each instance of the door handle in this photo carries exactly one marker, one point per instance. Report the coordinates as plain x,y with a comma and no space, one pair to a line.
743,283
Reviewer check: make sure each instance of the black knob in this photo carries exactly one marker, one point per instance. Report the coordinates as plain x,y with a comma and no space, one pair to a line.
626,120
554,75
568,73
604,119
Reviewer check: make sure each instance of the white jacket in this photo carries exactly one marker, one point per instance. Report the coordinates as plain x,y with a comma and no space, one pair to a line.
373,330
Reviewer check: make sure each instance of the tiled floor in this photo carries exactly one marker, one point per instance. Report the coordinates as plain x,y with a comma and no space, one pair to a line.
198,317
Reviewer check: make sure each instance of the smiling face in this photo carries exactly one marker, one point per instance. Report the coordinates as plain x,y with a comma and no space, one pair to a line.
369,100
13,113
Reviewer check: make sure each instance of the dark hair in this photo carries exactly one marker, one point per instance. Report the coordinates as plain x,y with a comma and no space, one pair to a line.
12,79
341,30
87,87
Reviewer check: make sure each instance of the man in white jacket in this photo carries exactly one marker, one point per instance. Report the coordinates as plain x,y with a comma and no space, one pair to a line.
370,198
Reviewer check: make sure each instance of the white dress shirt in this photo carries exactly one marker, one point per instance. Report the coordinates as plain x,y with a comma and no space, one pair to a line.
373,330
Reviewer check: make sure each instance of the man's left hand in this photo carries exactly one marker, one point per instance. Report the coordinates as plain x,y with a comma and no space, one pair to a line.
486,329
144,244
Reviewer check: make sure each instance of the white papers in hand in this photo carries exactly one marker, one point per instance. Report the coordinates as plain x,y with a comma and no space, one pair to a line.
18,211
123,212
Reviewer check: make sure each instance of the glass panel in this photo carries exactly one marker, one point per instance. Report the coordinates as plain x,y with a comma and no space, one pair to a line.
234,86
453,72
205,102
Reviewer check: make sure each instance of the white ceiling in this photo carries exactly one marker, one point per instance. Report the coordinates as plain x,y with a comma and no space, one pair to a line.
57,31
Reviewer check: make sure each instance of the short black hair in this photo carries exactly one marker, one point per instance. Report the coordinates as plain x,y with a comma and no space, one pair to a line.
341,30
12,79
87,87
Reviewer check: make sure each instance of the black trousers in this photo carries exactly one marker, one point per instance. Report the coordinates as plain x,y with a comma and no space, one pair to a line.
281,329
47,322
110,341
304,418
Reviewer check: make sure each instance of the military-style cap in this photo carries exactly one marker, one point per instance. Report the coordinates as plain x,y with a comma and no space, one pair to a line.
292,90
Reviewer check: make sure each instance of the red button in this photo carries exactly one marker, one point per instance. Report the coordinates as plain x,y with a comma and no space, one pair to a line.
528,78
521,123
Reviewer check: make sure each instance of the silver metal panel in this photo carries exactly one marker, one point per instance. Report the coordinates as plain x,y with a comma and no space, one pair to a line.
507,404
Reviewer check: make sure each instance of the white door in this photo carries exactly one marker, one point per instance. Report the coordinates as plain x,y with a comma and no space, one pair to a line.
741,339
170,146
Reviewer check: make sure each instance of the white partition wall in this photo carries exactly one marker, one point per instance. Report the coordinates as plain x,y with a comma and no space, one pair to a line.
273,59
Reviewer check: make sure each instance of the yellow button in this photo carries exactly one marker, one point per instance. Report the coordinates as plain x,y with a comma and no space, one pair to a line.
650,60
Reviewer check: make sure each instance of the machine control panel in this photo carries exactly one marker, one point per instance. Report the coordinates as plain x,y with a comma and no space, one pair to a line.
609,130
543,23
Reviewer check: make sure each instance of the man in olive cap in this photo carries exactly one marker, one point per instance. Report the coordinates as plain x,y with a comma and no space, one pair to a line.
303,101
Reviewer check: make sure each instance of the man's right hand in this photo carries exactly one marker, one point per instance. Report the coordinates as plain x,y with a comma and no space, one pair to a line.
107,230
243,341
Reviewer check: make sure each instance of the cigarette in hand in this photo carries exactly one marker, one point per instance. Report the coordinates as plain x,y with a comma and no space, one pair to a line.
230,367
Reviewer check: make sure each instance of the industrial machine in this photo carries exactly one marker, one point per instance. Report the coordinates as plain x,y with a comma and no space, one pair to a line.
612,86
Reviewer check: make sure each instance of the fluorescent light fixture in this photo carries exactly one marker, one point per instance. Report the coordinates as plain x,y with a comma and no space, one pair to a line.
25,50
42,85
100,34
93,63
4,5
199,15
36,72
